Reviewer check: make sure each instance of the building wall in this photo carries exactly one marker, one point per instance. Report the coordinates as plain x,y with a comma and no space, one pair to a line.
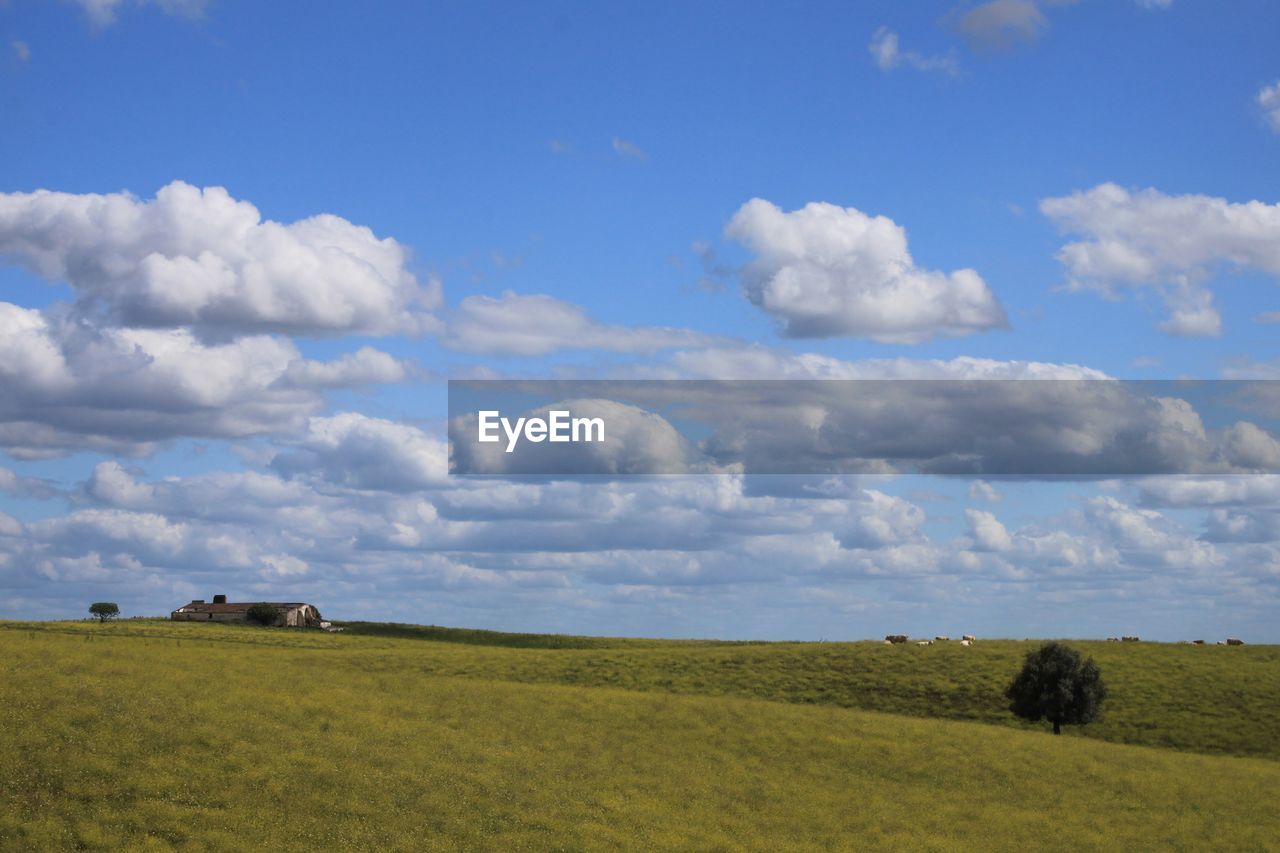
295,617
208,617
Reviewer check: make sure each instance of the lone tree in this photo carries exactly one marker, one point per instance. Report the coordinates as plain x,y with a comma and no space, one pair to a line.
1058,685
262,614
104,610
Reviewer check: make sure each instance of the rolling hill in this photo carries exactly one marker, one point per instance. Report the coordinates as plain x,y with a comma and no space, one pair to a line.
163,736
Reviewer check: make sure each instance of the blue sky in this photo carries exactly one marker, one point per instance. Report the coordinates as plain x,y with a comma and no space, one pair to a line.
559,183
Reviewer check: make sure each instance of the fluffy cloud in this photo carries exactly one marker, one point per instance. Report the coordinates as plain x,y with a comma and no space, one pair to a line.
9,526
884,520
1146,537
1183,492
988,533
354,450
1147,239
202,259
18,486
140,538
365,366
536,325
887,54
1247,526
533,554
981,490
217,496
1104,536
67,385
828,271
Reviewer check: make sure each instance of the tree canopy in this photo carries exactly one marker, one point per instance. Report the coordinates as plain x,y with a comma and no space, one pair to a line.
104,610
1059,685
262,614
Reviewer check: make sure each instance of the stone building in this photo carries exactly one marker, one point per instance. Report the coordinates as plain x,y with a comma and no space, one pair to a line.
290,614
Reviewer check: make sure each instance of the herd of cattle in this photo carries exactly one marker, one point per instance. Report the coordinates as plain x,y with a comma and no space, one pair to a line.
1229,641
897,639
969,640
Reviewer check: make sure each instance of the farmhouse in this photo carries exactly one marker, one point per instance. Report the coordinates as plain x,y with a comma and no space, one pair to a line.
291,614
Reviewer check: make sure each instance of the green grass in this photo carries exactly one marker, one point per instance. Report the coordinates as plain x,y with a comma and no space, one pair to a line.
505,639
161,735
1212,699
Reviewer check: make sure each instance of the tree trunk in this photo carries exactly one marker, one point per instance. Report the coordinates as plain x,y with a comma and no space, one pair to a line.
1057,727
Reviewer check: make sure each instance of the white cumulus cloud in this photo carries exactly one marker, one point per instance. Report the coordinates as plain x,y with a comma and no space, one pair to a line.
828,271
989,534
361,452
200,258
67,385
1171,244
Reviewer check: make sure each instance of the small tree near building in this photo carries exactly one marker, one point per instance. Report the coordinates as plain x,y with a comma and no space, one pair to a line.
1058,685
104,610
262,614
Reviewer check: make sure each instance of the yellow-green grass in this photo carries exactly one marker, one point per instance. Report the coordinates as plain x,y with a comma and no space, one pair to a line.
1212,699
217,737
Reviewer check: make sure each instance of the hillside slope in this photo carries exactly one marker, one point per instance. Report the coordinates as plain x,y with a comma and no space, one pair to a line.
1210,699
134,736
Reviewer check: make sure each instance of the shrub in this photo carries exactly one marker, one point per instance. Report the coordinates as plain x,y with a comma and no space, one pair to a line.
104,610
1058,685
262,614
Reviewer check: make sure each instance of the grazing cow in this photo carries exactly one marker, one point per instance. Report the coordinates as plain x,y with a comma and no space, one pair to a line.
896,638
966,642
1219,643
1232,641
941,639
1129,639
1113,639
924,642
970,638
1197,642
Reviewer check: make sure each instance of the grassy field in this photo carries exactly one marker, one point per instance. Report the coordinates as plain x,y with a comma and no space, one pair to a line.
1210,699
1213,699
161,735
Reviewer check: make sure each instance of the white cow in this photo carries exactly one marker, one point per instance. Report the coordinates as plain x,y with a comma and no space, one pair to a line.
966,642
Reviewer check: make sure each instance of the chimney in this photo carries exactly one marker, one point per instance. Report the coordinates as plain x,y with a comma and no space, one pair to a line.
197,601
219,599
